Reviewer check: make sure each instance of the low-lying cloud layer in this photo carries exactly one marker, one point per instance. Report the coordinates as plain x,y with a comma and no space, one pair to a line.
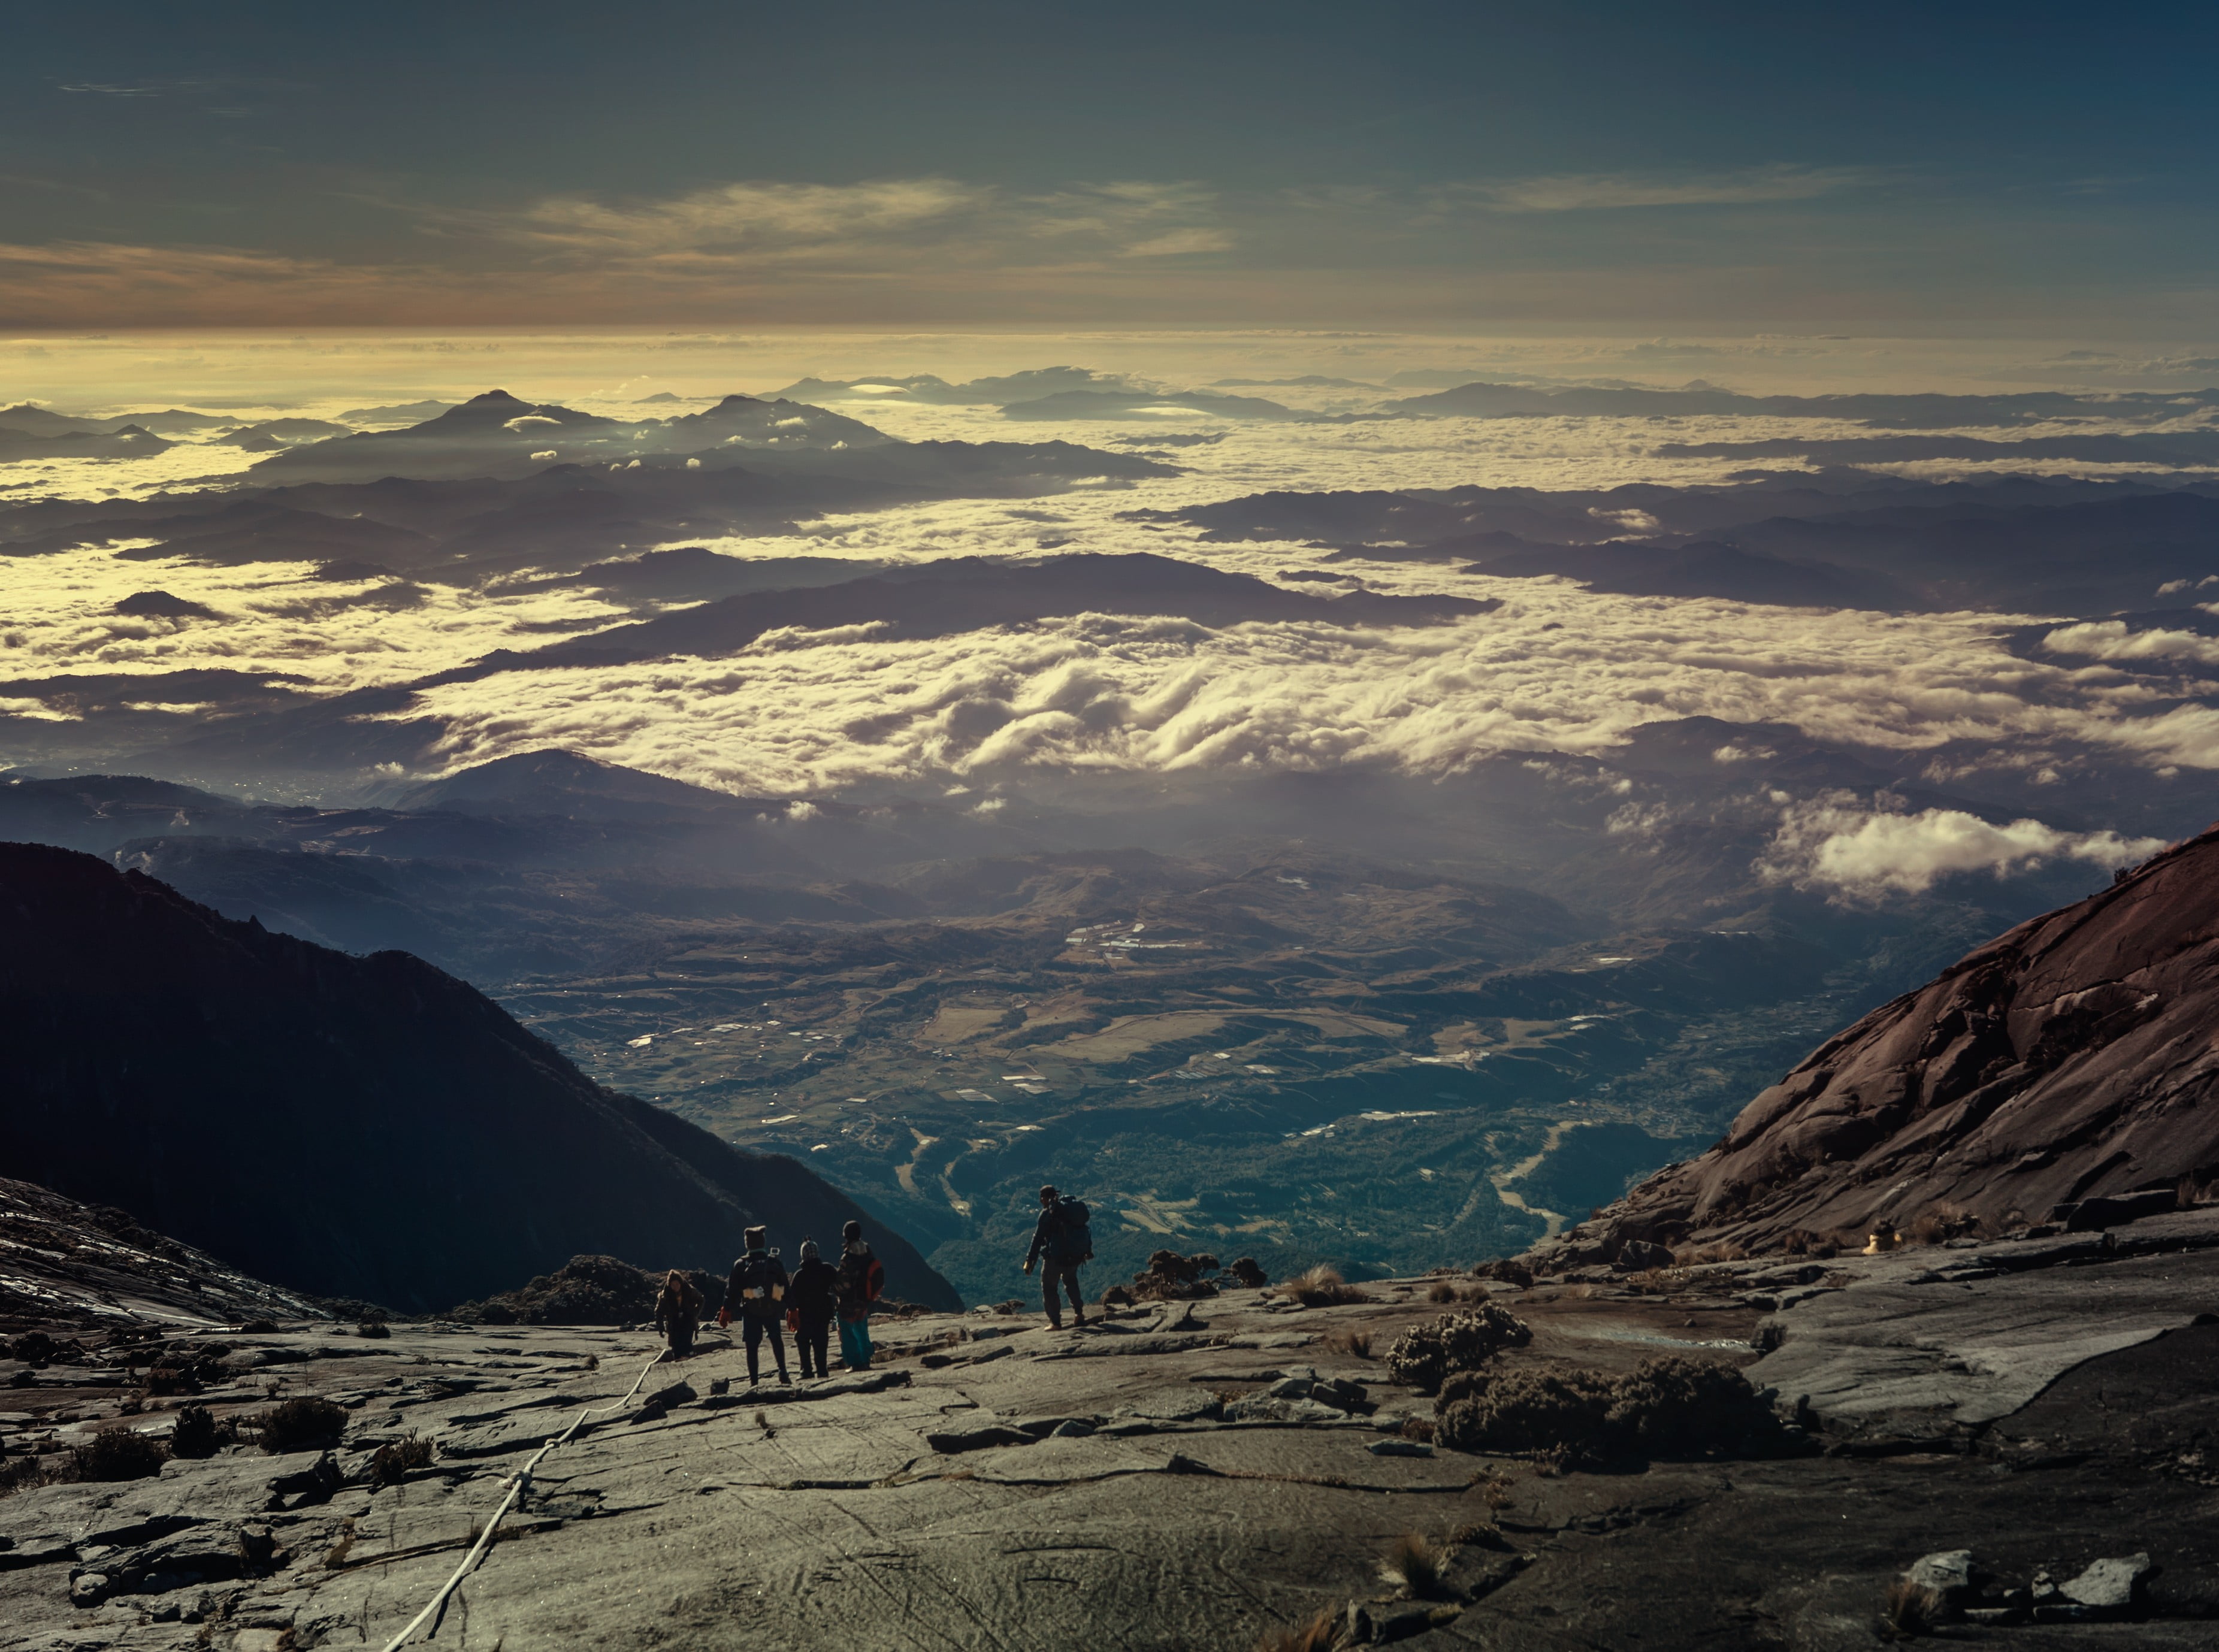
1861,855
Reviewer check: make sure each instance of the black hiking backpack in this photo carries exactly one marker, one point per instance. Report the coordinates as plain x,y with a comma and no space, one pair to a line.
1077,1223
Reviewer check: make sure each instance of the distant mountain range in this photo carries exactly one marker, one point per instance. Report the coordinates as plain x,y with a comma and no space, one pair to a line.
365,1127
1844,540
1482,400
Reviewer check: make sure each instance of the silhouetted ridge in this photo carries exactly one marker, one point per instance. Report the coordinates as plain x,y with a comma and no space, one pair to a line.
355,1127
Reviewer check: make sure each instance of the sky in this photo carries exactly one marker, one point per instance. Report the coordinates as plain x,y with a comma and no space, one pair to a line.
1962,169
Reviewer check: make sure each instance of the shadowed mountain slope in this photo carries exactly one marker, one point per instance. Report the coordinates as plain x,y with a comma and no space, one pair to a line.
355,1127
2069,1061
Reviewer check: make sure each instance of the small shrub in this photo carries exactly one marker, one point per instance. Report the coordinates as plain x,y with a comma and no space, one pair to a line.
1117,1297
1317,1635
395,1460
1015,1305
1509,1270
21,1473
1418,1428
1426,1356
1415,1564
1355,1343
1537,1412
1248,1273
305,1423
259,1328
118,1454
1909,1610
1171,1277
32,1347
1441,1291
200,1434
1666,1406
373,1328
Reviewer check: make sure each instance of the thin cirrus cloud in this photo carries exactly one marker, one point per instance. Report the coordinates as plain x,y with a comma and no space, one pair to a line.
752,222
1597,192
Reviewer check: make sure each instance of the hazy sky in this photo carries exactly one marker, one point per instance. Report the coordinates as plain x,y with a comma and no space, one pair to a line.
1959,166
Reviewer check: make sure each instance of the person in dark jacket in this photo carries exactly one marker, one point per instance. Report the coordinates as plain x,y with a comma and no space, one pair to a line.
754,1295
1056,1248
677,1311
862,1276
814,1295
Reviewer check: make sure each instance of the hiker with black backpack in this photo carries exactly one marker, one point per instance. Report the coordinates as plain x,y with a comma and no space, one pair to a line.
754,1296
1062,1238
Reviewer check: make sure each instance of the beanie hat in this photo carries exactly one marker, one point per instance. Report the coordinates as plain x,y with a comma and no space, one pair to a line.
809,1250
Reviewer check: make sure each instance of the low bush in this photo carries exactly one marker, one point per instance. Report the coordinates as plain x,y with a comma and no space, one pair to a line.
306,1423
1509,1270
1248,1273
200,1434
118,1454
1666,1406
373,1328
1170,1277
1426,1356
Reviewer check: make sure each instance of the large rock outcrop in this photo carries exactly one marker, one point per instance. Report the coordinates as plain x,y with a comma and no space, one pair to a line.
365,1127
2072,1059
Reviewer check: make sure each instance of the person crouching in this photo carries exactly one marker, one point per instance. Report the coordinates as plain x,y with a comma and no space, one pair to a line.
753,1294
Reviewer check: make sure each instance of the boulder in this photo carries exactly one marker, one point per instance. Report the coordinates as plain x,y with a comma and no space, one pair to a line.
2108,1586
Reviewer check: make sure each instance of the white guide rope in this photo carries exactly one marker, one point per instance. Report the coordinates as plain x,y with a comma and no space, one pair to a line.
516,1487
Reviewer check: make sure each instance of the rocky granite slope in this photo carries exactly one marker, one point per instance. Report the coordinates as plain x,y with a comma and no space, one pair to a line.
365,1128
2063,1073
1195,1474
69,1265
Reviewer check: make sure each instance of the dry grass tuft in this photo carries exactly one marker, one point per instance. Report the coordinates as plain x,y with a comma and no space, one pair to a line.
1416,1563
394,1461
1441,1291
1320,1287
1315,1634
1356,1343
1910,1610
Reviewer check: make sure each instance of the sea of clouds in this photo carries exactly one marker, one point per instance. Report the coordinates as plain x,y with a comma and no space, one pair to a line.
1554,669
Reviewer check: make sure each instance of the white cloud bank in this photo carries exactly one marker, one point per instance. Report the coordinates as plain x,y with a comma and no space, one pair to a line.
1860,854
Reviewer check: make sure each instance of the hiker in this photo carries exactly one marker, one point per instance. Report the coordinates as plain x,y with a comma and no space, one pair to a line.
1062,1238
812,1301
753,1293
677,1311
862,1276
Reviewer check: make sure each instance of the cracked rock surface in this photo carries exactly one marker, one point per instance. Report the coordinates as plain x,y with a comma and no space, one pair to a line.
1188,1491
